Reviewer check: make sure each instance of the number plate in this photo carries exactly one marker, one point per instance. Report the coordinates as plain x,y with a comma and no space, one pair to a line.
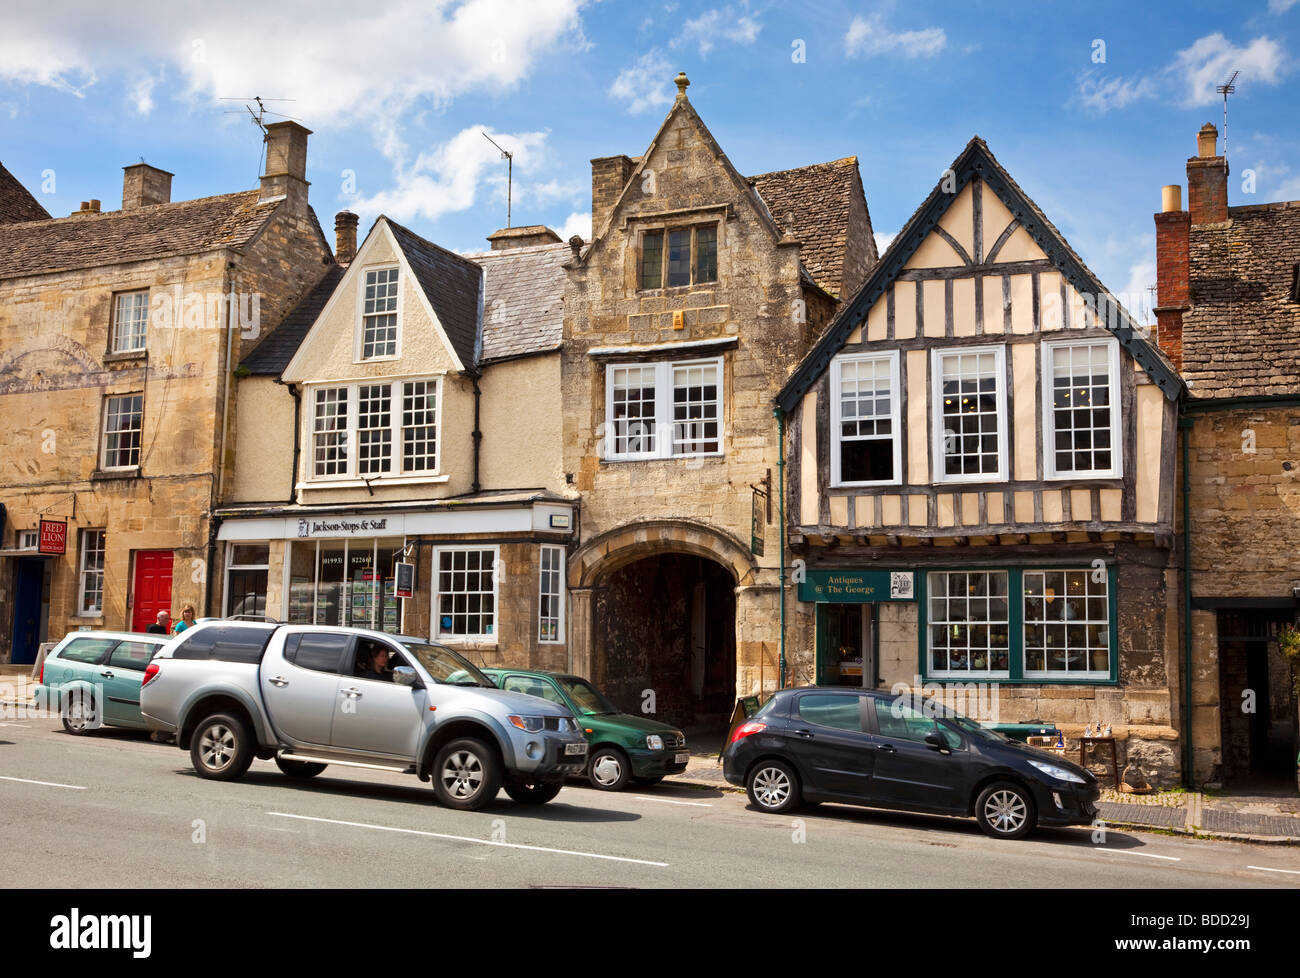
576,748
681,758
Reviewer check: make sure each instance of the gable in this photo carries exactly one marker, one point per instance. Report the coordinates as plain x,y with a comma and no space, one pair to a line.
329,350
16,202
977,236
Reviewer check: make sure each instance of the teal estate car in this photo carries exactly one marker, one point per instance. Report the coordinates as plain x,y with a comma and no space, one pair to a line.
93,678
622,747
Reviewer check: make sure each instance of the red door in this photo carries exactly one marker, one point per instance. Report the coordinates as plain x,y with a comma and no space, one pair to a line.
153,587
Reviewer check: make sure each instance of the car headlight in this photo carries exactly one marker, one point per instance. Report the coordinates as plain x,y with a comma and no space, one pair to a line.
654,742
531,724
1060,773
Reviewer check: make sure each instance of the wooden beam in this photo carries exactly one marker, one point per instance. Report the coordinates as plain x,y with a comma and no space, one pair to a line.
961,541
862,540
1058,536
830,540
893,540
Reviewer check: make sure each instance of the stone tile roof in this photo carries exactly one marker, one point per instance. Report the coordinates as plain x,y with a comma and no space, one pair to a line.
1241,336
811,204
16,202
523,306
452,285
273,354
162,230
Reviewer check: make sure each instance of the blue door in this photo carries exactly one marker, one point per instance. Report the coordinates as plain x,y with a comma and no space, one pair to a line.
27,609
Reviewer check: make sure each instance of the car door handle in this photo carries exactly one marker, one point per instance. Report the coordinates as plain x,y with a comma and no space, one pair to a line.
805,733
888,748
278,681
352,692
107,674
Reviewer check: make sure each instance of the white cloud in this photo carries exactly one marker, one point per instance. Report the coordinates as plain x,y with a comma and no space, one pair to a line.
1136,296
644,84
141,96
872,37
727,24
1100,95
576,223
1281,6
883,241
346,60
1211,59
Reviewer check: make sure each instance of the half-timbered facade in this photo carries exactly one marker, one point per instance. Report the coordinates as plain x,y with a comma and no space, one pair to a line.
980,458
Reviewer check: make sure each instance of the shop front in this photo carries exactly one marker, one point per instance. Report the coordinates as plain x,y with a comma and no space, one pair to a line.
848,620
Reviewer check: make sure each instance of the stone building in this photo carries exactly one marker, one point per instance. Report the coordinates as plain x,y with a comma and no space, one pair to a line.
1229,318
408,412
980,478
700,290
119,331
17,205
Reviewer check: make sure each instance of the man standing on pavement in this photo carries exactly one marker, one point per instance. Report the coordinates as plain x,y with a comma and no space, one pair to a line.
162,626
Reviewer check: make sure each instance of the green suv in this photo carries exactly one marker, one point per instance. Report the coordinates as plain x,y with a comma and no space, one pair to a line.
623,747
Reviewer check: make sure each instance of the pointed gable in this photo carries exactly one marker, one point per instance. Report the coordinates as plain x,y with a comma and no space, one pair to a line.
452,285
16,202
953,229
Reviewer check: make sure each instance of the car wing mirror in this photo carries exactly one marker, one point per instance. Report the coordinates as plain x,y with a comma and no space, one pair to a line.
405,676
937,740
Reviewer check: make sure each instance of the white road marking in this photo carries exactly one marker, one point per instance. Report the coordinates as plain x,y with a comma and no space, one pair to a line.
1148,855
670,801
48,784
1270,869
464,838
22,725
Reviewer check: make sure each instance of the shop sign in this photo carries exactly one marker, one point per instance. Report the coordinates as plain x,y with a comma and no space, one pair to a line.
53,537
858,587
405,580
340,526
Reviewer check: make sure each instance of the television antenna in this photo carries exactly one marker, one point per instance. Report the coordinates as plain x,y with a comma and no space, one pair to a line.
1226,89
258,117
509,157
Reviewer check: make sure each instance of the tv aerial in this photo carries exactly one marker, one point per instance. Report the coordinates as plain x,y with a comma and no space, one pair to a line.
258,118
1226,89
509,157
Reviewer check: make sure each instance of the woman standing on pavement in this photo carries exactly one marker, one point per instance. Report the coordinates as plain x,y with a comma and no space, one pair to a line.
187,619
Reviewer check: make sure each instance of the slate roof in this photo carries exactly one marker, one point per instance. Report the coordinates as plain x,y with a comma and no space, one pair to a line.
976,160
812,204
114,237
273,354
523,305
452,284
1241,336
16,202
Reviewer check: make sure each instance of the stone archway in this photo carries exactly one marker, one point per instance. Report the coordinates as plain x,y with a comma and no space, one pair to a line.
654,608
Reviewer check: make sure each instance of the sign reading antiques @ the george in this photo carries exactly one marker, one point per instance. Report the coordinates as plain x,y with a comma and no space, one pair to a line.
53,537
858,587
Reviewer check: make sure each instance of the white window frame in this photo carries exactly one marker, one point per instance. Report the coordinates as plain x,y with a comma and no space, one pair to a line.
435,619
936,393
104,433
232,566
895,416
1066,674
559,594
83,551
29,540
115,334
359,337
396,473
931,623
1116,471
663,420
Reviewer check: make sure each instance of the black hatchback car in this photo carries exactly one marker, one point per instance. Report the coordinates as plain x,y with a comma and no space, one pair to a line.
872,748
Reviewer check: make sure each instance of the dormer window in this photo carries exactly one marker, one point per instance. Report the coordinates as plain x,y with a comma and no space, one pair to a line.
675,257
379,315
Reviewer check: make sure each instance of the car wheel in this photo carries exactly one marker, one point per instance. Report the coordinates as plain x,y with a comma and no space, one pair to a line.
649,781
773,786
1005,811
609,769
466,774
221,747
299,769
80,714
533,792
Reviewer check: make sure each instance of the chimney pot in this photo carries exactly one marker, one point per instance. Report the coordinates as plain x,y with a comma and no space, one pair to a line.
286,164
1207,141
1171,198
144,185
345,237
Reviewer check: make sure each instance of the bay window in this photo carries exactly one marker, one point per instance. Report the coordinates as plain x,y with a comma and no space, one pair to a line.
663,410
374,430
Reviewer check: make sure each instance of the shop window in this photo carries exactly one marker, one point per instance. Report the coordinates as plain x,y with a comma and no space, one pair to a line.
865,422
970,415
345,582
1067,624
247,566
550,607
969,627
1080,424
465,596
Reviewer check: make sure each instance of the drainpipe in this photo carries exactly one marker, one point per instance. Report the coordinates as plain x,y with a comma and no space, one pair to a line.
231,318
297,438
478,433
214,524
780,468
1185,426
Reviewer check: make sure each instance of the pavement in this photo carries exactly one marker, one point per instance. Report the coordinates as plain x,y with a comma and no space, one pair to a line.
1259,817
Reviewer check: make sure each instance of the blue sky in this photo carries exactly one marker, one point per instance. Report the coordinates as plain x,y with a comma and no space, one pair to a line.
1092,107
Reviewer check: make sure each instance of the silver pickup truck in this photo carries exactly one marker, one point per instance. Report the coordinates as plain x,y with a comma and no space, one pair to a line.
311,695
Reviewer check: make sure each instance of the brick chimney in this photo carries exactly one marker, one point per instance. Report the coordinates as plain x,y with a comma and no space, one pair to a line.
1207,180
286,164
345,237
609,175
525,237
143,185
1173,271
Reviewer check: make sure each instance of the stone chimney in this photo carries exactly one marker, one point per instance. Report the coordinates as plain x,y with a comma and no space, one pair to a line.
345,237
286,164
1173,272
1207,180
525,237
609,175
143,185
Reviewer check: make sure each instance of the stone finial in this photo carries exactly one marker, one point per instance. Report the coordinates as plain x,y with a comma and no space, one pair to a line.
682,83
576,244
1206,141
